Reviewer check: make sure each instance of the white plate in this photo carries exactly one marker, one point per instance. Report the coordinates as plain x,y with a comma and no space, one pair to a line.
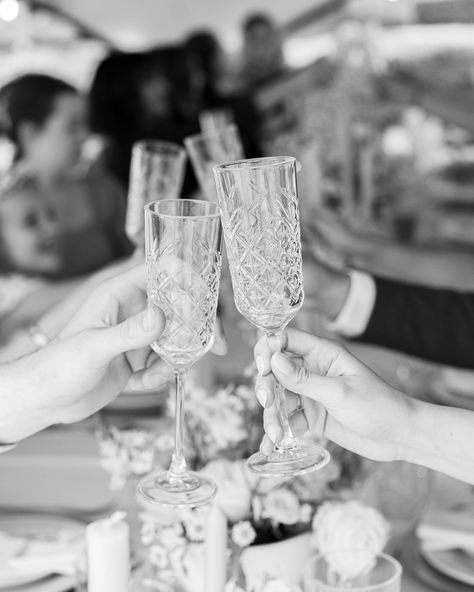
455,564
35,527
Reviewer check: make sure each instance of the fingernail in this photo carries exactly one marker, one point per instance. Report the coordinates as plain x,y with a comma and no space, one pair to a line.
282,364
260,365
271,432
262,397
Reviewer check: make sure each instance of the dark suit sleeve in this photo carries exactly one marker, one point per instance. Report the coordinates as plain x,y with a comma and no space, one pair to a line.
430,323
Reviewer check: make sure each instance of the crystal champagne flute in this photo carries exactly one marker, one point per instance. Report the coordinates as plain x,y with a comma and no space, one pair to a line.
156,172
260,218
208,149
183,241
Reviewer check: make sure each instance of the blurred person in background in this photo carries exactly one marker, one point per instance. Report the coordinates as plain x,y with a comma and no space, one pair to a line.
115,110
45,119
262,55
208,69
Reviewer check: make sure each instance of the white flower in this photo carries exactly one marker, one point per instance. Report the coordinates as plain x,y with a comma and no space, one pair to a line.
306,513
349,535
281,506
158,556
188,568
195,524
142,462
147,533
243,534
171,537
233,490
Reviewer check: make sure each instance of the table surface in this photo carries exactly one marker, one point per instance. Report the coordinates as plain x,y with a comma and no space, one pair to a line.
58,471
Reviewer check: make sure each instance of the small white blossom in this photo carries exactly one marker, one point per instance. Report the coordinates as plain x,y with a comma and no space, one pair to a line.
158,556
306,513
147,533
195,524
281,506
243,534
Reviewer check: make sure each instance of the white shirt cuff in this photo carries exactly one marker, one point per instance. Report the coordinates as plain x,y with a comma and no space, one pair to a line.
354,317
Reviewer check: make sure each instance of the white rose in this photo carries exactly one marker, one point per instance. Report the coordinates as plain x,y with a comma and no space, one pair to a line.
233,490
281,506
350,536
243,534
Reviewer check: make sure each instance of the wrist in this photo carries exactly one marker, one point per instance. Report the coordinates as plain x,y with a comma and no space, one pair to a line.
418,447
23,411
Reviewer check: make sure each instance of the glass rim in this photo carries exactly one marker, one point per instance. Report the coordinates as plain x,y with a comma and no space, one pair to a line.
152,144
396,564
264,162
193,139
148,208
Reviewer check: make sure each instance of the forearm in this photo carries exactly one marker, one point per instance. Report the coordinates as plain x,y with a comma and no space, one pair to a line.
443,440
434,267
23,411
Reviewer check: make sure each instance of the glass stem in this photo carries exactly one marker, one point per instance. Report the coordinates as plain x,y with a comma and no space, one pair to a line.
288,440
178,462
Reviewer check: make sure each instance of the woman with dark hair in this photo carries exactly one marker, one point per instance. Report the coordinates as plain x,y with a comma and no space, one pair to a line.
262,57
45,120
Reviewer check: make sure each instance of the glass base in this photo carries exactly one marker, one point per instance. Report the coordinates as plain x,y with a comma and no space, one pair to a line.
190,490
299,460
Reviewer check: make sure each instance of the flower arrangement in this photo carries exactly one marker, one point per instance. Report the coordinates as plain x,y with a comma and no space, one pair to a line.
223,429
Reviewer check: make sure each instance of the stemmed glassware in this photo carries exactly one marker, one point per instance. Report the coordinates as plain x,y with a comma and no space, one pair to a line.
208,149
260,218
183,240
156,172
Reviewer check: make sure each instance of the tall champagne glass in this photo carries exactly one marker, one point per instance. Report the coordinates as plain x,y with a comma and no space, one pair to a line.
208,149
260,217
183,240
156,172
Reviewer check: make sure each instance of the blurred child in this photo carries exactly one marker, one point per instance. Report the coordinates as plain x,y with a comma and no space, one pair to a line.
29,240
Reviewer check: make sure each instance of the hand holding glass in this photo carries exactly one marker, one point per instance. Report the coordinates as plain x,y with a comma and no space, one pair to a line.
183,240
261,226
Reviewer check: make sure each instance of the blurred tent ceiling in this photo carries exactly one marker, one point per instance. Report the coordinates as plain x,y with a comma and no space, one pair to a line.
137,24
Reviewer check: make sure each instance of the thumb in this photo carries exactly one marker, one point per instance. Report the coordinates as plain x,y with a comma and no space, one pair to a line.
298,379
137,331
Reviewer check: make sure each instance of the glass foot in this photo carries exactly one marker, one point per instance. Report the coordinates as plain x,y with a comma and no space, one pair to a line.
288,463
190,490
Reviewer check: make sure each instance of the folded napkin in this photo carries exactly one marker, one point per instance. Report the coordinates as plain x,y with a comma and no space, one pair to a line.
49,555
447,529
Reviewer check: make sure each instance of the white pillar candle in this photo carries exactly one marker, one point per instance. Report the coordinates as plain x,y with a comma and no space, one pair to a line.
108,554
215,550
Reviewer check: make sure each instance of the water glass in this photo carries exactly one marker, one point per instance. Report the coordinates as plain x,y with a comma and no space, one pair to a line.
213,121
207,150
319,576
156,173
